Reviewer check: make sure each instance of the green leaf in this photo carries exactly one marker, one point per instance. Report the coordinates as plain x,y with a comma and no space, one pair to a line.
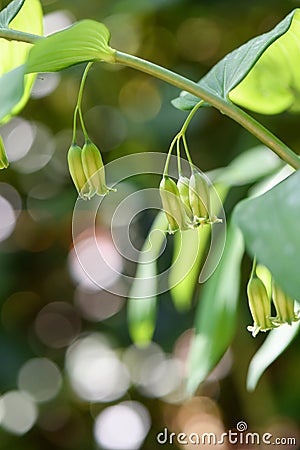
270,225
8,13
11,90
15,90
275,343
234,67
250,166
189,248
273,85
141,317
188,258
141,306
216,312
87,40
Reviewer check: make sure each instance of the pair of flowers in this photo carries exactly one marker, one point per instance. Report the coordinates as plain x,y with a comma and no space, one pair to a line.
87,170
187,204
260,298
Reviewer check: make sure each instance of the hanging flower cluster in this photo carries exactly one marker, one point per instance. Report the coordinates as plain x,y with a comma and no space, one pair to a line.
85,164
262,292
87,170
187,204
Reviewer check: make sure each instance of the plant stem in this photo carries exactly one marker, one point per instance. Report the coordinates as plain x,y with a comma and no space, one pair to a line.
79,99
186,148
229,109
190,116
169,155
253,268
178,157
74,125
85,133
83,79
15,35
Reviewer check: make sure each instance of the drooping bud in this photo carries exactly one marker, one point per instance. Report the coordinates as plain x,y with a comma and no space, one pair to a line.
260,306
94,169
285,306
266,277
172,205
183,188
199,197
3,158
77,172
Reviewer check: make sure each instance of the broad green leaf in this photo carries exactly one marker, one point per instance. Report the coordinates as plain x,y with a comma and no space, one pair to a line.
86,40
275,343
250,166
185,273
273,85
190,256
234,67
13,54
8,13
11,90
141,317
216,312
141,306
270,225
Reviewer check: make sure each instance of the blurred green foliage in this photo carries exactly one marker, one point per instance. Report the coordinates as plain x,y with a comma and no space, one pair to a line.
42,308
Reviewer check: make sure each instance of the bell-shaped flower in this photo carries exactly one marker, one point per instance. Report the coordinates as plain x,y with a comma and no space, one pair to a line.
93,168
173,205
284,305
199,197
77,172
260,306
183,188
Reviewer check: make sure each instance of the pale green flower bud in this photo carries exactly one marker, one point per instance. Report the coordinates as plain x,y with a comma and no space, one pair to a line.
199,196
77,172
3,158
172,205
266,277
260,306
94,169
183,188
285,306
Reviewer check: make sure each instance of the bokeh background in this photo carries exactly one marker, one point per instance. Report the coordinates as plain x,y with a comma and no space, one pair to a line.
70,377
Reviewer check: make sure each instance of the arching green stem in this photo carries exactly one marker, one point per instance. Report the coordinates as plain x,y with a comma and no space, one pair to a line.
227,108
21,36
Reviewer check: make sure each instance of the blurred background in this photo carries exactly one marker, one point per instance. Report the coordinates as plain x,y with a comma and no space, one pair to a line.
70,377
